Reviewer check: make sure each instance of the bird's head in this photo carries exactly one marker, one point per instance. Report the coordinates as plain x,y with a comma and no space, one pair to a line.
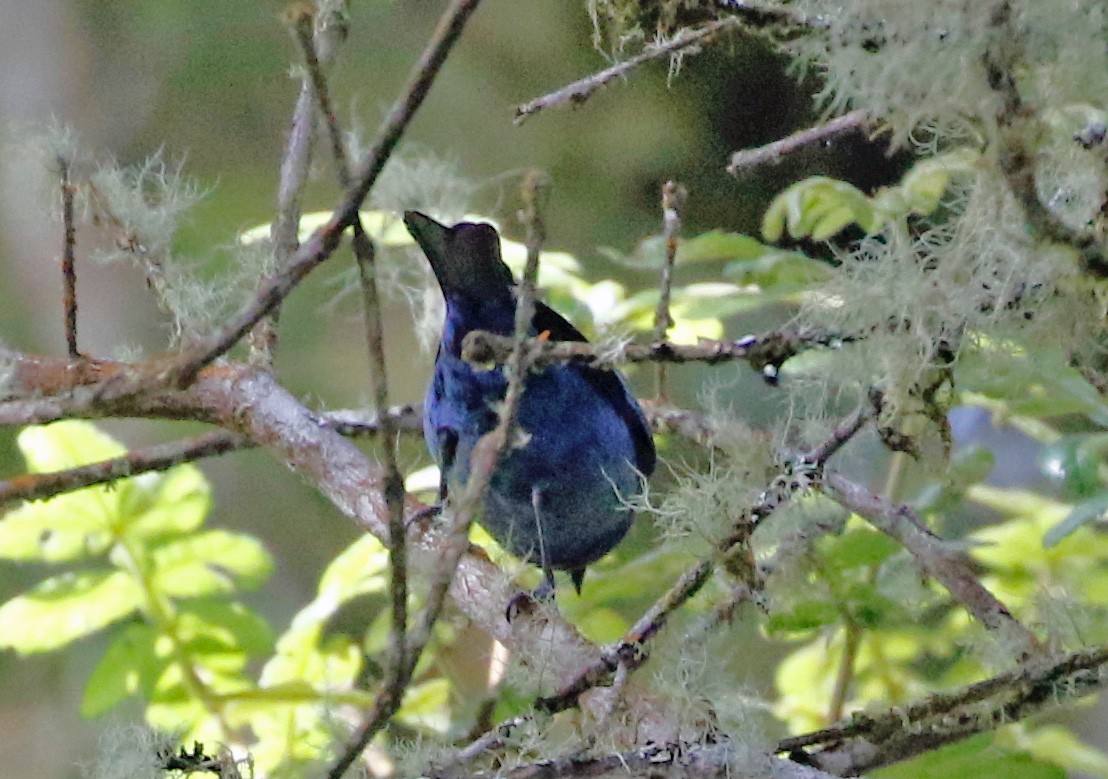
465,258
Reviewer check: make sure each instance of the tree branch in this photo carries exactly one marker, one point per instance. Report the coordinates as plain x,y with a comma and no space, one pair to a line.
579,91
69,246
934,556
323,242
671,760
865,742
747,160
673,198
160,457
769,349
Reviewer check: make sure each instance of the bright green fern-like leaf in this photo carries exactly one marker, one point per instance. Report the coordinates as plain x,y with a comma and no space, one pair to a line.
67,607
820,207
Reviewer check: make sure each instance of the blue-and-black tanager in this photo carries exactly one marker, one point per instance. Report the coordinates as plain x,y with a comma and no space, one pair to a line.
559,499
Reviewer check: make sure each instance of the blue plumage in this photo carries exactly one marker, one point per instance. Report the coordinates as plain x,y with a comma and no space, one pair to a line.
556,500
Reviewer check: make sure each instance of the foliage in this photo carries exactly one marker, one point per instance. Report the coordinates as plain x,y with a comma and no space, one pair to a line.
949,290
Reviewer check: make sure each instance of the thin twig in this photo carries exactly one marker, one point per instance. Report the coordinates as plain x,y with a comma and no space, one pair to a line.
770,349
713,760
69,272
399,669
673,198
732,553
934,556
365,255
580,91
864,742
746,160
844,431
493,739
629,649
484,460
323,242
285,231
851,641
160,457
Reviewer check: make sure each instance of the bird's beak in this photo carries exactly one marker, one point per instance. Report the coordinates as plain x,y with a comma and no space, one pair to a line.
430,235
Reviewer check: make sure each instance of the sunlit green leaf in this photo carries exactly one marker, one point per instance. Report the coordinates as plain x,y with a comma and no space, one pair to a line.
210,562
975,757
971,464
58,530
804,615
220,624
175,502
1055,744
858,547
66,607
66,444
778,269
1082,514
425,705
129,666
359,569
719,245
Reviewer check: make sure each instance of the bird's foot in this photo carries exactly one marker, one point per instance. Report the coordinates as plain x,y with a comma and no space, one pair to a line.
525,601
423,515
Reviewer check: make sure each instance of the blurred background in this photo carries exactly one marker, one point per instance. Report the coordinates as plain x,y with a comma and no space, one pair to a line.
208,82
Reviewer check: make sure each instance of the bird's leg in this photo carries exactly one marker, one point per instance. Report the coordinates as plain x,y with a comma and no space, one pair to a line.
525,600
420,516
448,447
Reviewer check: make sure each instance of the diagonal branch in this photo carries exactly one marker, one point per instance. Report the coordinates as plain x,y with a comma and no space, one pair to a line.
747,160
732,552
936,558
323,242
865,742
579,91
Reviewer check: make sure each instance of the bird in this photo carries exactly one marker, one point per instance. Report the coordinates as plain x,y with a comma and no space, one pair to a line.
560,498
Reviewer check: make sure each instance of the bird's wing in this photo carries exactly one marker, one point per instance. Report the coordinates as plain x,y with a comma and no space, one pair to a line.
610,384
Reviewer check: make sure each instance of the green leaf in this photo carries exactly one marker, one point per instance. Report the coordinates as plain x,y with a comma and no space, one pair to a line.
971,464
924,185
1082,514
773,270
66,607
1036,383
130,666
425,706
803,616
64,528
225,625
210,562
832,222
711,300
1058,745
62,445
359,569
717,245
174,503
820,207
858,547
975,757
85,523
